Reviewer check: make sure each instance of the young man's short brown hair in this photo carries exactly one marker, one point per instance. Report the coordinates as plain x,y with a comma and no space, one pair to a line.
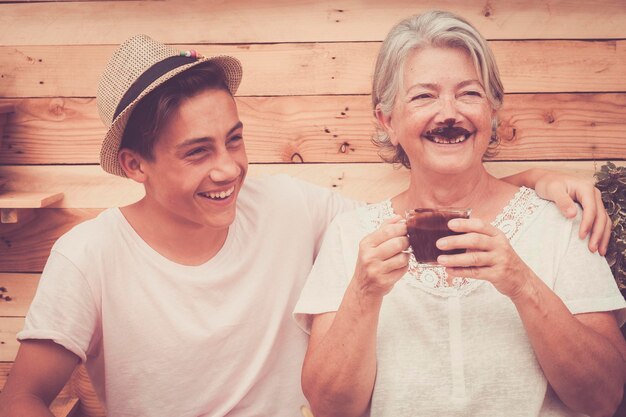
153,111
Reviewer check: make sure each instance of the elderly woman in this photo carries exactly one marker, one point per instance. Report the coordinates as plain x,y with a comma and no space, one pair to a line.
525,323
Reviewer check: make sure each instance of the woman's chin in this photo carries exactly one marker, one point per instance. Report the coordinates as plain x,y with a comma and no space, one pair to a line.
448,165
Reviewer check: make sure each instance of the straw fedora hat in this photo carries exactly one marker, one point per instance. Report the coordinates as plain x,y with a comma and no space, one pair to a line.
137,67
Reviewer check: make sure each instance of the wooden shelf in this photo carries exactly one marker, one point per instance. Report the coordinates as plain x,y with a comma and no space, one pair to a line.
11,202
14,203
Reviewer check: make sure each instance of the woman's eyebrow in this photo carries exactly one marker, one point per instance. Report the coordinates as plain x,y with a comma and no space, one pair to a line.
469,82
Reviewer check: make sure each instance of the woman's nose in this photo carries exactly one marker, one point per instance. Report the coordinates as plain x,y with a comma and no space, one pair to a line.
447,110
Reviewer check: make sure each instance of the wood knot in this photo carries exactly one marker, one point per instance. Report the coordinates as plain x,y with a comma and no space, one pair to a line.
57,107
487,10
506,133
296,157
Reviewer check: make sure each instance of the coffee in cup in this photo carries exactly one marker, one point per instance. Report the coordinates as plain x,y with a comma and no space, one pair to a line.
427,225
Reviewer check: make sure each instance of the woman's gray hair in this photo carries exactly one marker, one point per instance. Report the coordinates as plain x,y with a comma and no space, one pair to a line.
438,29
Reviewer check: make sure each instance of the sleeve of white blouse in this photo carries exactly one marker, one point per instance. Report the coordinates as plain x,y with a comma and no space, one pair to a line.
584,280
328,279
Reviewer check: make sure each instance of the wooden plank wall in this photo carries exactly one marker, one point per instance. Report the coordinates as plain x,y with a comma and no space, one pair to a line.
304,98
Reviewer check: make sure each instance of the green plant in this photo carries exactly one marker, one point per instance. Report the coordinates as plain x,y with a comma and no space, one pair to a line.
611,181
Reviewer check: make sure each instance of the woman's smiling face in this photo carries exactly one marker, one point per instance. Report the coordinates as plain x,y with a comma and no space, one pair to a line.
442,117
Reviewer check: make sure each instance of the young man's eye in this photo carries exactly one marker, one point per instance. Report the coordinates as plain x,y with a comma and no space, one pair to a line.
196,152
235,140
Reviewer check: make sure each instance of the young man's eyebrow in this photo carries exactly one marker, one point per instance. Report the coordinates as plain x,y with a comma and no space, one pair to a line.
237,126
194,141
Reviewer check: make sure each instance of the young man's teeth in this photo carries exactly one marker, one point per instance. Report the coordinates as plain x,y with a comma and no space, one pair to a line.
220,195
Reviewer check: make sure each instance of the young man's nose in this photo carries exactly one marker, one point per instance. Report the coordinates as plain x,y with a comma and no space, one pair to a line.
225,168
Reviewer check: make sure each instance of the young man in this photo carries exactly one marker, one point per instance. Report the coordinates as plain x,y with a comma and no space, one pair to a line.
180,304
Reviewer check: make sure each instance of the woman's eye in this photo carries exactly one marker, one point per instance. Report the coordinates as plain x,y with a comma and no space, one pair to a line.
473,93
422,96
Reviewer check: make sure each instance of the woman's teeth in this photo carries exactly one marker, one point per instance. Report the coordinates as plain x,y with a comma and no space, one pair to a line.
219,196
439,139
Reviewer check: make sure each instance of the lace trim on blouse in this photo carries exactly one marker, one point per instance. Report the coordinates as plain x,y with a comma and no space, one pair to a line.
433,278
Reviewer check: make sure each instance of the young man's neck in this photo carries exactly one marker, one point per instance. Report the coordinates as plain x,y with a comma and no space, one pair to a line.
182,244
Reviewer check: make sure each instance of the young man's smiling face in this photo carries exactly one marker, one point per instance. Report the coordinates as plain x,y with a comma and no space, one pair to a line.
199,162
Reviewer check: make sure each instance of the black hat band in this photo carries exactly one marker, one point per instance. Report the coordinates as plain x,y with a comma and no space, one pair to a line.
148,77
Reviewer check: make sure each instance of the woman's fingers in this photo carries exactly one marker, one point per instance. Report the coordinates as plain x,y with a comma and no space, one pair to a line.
389,229
472,241
398,264
473,225
392,246
467,259
381,259
379,256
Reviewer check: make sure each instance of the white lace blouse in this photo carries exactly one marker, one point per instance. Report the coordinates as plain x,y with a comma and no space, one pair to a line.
461,349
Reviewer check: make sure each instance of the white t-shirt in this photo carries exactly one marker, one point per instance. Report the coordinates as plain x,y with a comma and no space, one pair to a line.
163,339
461,350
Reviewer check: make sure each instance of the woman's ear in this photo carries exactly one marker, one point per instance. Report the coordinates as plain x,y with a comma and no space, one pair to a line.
132,164
385,122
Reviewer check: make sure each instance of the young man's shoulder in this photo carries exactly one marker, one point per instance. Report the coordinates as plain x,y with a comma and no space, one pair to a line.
286,196
102,230
289,188
275,183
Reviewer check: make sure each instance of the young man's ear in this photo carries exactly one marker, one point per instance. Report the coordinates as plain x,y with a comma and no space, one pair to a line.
131,162
385,123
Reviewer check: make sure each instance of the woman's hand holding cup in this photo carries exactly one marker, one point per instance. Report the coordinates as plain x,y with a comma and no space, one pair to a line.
489,256
382,260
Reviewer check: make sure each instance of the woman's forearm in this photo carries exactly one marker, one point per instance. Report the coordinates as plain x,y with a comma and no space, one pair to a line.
340,366
585,369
